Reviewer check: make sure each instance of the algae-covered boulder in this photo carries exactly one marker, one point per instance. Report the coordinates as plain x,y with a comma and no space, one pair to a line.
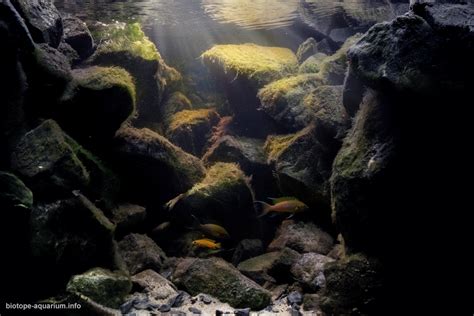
312,64
78,36
306,49
302,237
140,252
303,165
126,46
70,236
190,129
43,20
352,284
309,270
102,286
175,103
258,64
13,192
155,168
54,164
218,278
104,97
224,196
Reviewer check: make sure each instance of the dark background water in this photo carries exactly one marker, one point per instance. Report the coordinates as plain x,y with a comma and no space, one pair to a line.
183,29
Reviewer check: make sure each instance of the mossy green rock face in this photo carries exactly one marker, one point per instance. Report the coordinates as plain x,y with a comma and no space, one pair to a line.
175,103
102,286
70,236
352,286
155,168
13,192
220,279
224,196
54,164
259,64
102,97
190,129
126,46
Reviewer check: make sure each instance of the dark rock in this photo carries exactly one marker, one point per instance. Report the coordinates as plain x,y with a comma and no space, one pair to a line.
43,20
161,290
140,253
295,298
338,252
246,249
102,286
306,49
206,299
128,218
179,299
324,47
155,168
173,104
223,196
71,55
311,303
14,24
126,46
352,284
77,34
194,310
190,129
55,165
242,312
218,278
13,193
308,270
164,308
353,93
302,237
126,307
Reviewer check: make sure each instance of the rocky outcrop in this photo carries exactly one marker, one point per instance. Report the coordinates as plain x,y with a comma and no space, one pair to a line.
309,271
220,279
157,288
128,218
78,36
14,193
246,249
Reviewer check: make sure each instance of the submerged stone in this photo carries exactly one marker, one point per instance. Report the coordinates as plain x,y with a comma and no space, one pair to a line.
308,270
155,286
175,103
77,34
140,253
13,192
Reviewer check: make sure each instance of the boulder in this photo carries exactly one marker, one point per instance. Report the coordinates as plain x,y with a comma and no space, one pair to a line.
155,168
312,64
270,267
306,49
190,129
102,286
128,218
104,97
308,270
54,164
70,53
246,249
155,286
126,46
140,253
223,196
352,284
311,303
175,103
68,237
14,193
43,20
302,237
78,36
218,278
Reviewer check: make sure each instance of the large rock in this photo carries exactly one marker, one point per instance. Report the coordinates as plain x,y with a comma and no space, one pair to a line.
353,286
190,129
102,286
77,34
140,253
102,97
126,46
70,236
302,237
156,169
308,270
14,193
43,20
159,289
128,218
175,103
55,165
218,278
223,196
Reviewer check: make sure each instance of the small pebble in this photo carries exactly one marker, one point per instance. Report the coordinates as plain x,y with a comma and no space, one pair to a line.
194,310
295,298
165,308
206,299
242,312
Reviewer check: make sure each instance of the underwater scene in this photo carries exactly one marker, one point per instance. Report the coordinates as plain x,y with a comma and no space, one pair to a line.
231,157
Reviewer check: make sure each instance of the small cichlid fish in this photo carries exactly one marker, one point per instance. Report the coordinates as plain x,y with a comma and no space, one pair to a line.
206,243
283,205
212,230
162,227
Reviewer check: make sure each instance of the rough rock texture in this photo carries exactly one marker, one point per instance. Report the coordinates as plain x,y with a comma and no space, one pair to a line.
126,46
302,237
352,286
224,196
246,249
156,286
308,270
70,236
104,97
128,218
140,253
70,53
153,164
77,34
218,278
43,20
190,129
102,286
306,49
13,192
175,103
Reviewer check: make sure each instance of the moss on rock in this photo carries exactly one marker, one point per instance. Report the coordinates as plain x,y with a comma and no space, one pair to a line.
176,102
13,192
102,286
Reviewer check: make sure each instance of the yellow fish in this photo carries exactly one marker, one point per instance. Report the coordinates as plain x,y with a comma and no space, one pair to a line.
206,243
283,205
212,230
